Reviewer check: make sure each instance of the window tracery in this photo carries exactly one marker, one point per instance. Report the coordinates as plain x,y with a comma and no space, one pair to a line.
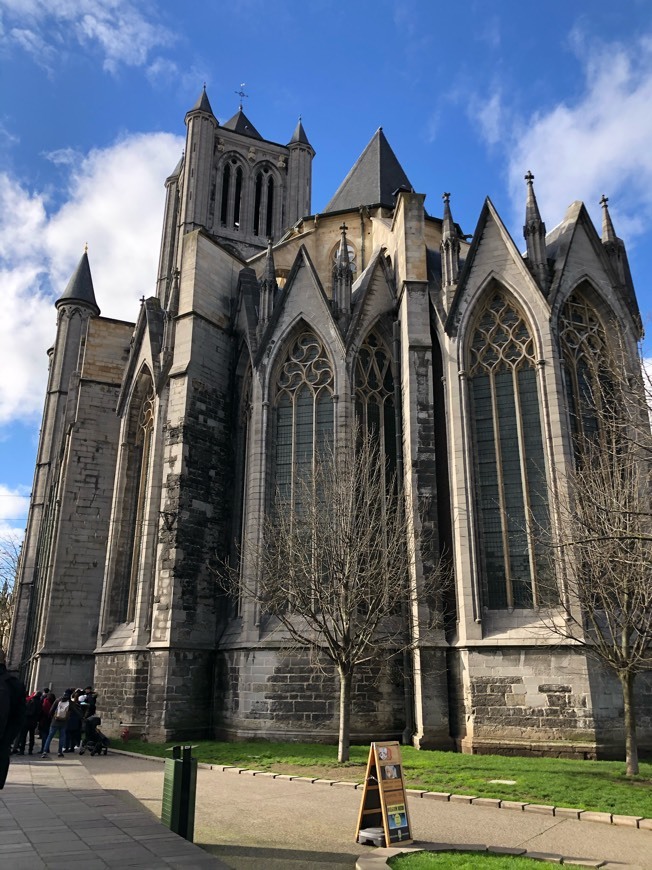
303,414
374,396
584,347
511,489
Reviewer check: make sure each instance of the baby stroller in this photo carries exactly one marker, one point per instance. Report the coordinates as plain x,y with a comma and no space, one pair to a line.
93,739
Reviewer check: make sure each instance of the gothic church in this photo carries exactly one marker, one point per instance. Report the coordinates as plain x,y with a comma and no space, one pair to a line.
270,329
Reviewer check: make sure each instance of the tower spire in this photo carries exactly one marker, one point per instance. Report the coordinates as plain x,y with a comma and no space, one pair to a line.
534,233
450,250
342,278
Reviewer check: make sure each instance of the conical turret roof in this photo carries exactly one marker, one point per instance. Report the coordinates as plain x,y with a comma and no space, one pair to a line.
299,136
203,104
374,178
240,123
80,287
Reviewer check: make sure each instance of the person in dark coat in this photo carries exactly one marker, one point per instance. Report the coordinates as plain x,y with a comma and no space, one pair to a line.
33,707
12,714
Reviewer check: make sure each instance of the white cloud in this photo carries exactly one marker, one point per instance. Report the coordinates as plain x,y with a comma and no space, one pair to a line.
114,201
598,142
14,504
125,31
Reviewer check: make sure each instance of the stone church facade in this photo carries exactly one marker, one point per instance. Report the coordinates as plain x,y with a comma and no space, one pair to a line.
162,441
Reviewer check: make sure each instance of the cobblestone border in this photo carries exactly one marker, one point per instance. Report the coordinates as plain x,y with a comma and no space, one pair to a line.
519,806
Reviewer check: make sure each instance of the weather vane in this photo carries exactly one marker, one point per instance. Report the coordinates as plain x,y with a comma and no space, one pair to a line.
241,93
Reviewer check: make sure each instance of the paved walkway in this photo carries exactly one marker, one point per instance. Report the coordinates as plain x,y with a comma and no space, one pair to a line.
54,814
255,822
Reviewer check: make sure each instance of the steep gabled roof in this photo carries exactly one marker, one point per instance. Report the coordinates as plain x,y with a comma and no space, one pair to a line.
240,123
80,286
374,178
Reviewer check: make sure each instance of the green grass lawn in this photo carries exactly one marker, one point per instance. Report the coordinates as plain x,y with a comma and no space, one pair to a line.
589,785
466,861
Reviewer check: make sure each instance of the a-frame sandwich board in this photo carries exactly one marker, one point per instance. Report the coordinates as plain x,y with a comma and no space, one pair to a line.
384,801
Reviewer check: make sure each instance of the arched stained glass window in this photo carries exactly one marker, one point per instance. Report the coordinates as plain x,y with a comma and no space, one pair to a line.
510,479
584,347
303,412
137,479
374,396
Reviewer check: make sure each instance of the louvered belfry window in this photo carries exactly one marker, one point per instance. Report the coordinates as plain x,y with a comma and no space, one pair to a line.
510,479
303,415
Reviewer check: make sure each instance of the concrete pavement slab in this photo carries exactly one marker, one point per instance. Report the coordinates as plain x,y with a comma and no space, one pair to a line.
254,822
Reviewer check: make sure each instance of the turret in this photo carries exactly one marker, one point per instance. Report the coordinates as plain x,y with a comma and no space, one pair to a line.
534,233
450,252
299,175
75,308
198,183
342,279
169,235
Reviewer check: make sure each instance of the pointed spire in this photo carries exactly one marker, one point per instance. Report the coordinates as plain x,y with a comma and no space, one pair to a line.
450,248
613,246
299,136
608,233
80,289
268,288
202,104
534,232
342,278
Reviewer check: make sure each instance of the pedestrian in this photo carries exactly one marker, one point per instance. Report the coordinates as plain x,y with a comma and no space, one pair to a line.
58,720
12,714
44,718
74,726
33,708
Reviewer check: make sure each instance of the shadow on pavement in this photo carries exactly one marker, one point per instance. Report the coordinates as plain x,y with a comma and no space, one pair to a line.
253,858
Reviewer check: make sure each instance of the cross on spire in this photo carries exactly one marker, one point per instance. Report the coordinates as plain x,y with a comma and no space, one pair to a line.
529,177
241,93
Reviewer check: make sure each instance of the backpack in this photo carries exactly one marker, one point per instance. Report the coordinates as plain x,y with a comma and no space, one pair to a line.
61,713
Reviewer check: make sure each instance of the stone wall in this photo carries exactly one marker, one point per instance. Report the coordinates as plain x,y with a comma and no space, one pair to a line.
271,695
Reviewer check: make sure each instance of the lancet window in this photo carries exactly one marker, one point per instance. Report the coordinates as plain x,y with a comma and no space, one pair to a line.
264,203
584,348
374,397
303,415
510,479
134,522
231,198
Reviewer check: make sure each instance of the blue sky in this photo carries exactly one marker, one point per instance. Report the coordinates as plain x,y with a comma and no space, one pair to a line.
93,97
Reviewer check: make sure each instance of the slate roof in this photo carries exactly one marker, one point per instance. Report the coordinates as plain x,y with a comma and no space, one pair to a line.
373,179
80,286
240,123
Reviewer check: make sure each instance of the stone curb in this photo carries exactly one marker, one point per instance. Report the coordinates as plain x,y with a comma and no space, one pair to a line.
380,857
519,806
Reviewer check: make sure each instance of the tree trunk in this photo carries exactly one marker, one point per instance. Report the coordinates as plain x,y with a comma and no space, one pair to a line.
345,715
631,745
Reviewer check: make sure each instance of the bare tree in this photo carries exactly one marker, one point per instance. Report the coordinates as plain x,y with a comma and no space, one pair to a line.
10,545
334,567
603,547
